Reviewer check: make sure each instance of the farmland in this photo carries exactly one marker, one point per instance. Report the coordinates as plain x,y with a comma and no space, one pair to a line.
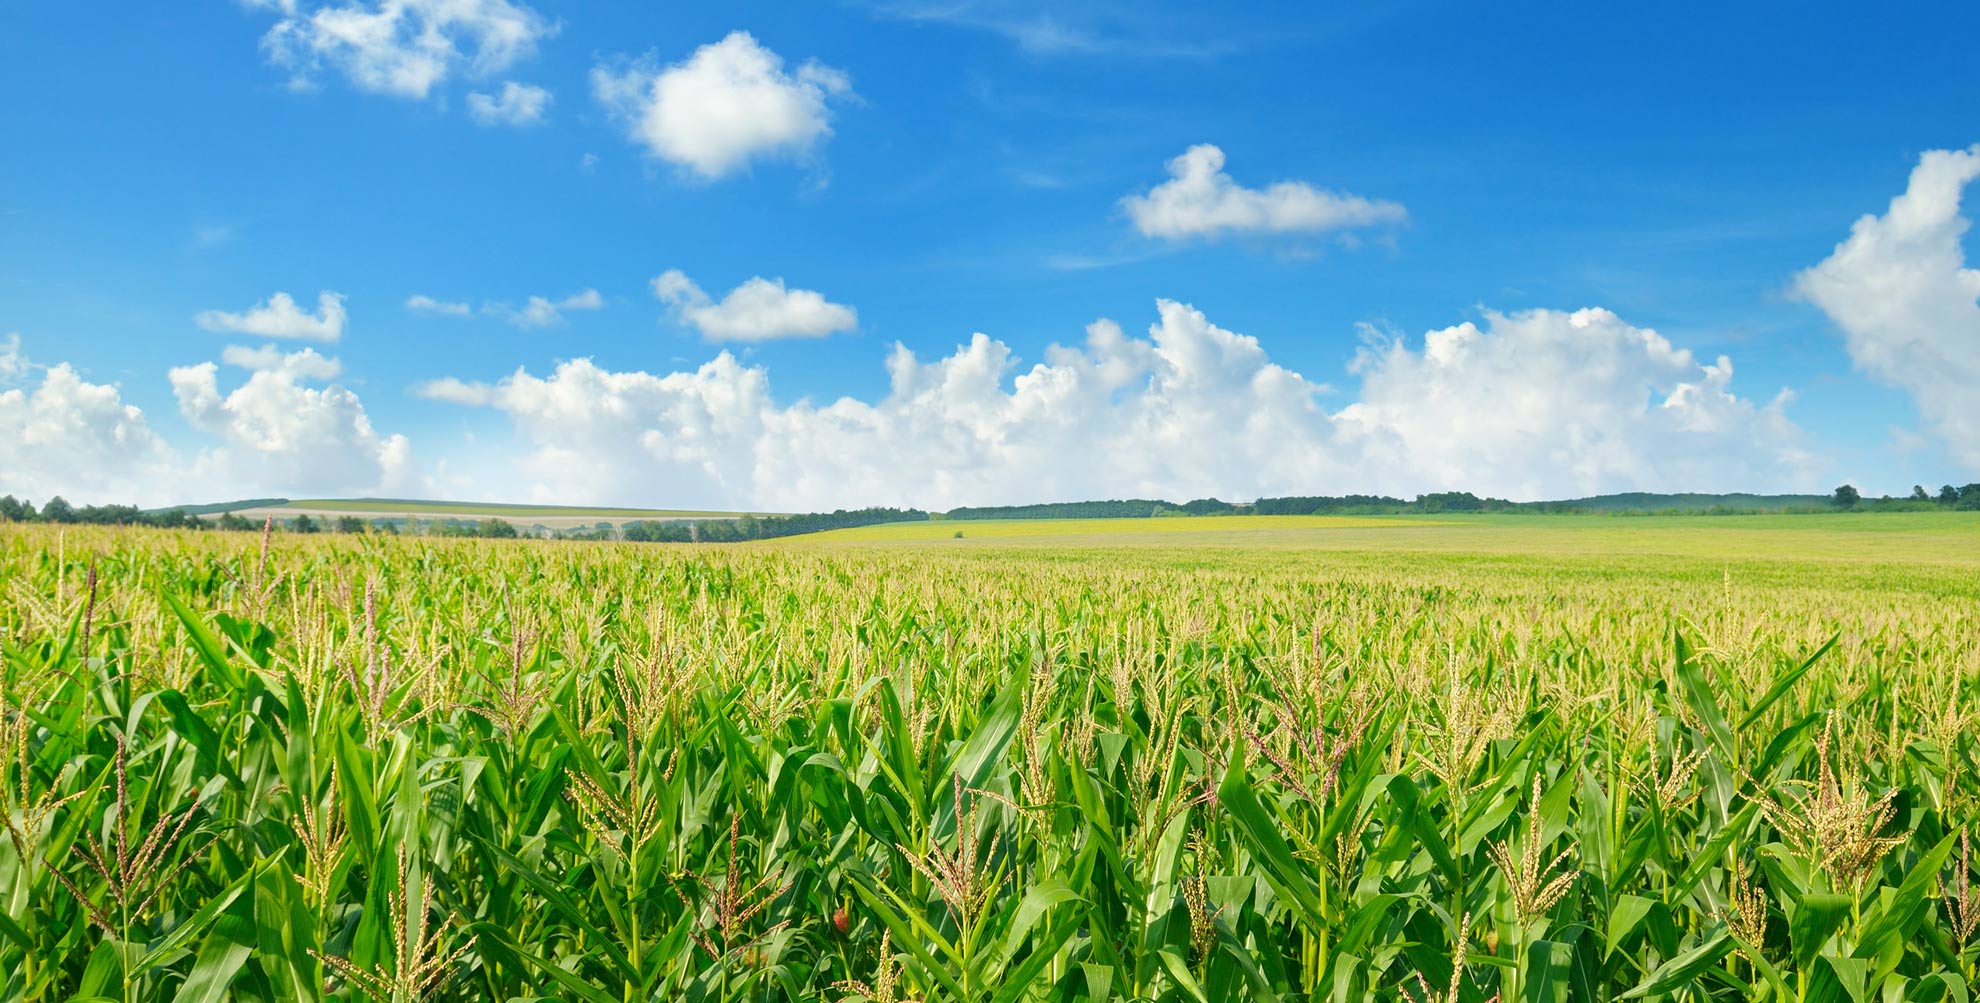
1220,758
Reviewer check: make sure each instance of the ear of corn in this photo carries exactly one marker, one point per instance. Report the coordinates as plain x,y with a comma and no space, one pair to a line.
422,770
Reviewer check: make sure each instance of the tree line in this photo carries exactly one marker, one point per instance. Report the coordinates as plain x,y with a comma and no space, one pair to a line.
754,527
1141,508
1965,499
59,511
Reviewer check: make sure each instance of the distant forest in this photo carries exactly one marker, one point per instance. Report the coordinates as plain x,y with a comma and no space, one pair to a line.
1636,502
754,527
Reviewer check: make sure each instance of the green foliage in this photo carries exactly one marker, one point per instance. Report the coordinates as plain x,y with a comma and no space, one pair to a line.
340,768
1139,508
770,527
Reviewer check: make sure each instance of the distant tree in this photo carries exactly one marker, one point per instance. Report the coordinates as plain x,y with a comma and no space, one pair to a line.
175,518
1969,499
1207,506
1846,497
385,526
1948,495
14,510
110,515
349,524
501,529
58,510
1450,501
235,523
303,524
647,531
1918,493
717,531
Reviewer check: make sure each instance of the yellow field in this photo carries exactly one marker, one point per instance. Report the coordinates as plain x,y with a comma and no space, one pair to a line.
1899,538
1112,530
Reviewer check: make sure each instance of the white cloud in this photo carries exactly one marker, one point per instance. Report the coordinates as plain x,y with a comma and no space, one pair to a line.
75,438
1551,404
209,236
728,103
453,391
65,435
1136,31
516,104
758,310
13,365
541,311
281,436
1908,306
420,303
1200,200
280,317
404,48
302,365
1543,404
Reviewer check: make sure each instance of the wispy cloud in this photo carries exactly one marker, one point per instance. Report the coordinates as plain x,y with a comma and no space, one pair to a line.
542,311
1051,30
402,49
212,235
422,303
1073,262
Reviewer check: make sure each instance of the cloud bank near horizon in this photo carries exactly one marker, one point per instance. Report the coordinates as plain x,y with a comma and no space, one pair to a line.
1532,404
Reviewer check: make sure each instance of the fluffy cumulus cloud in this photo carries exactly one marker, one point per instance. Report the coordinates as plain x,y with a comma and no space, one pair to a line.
65,435
1531,405
280,316
62,434
404,48
515,104
1552,404
725,105
758,310
1907,304
278,434
1200,200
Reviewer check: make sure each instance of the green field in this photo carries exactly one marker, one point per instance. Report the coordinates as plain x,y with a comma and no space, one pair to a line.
1177,759
1903,539
1269,528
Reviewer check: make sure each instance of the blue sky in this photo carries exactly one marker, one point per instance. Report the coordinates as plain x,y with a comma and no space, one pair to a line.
924,171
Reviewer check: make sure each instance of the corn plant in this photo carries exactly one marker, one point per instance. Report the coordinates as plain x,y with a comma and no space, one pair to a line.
307,769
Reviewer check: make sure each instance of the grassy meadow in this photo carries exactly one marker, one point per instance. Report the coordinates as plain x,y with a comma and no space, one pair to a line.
1233,758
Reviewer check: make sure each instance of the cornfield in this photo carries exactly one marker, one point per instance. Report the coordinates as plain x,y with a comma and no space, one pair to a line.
286,770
